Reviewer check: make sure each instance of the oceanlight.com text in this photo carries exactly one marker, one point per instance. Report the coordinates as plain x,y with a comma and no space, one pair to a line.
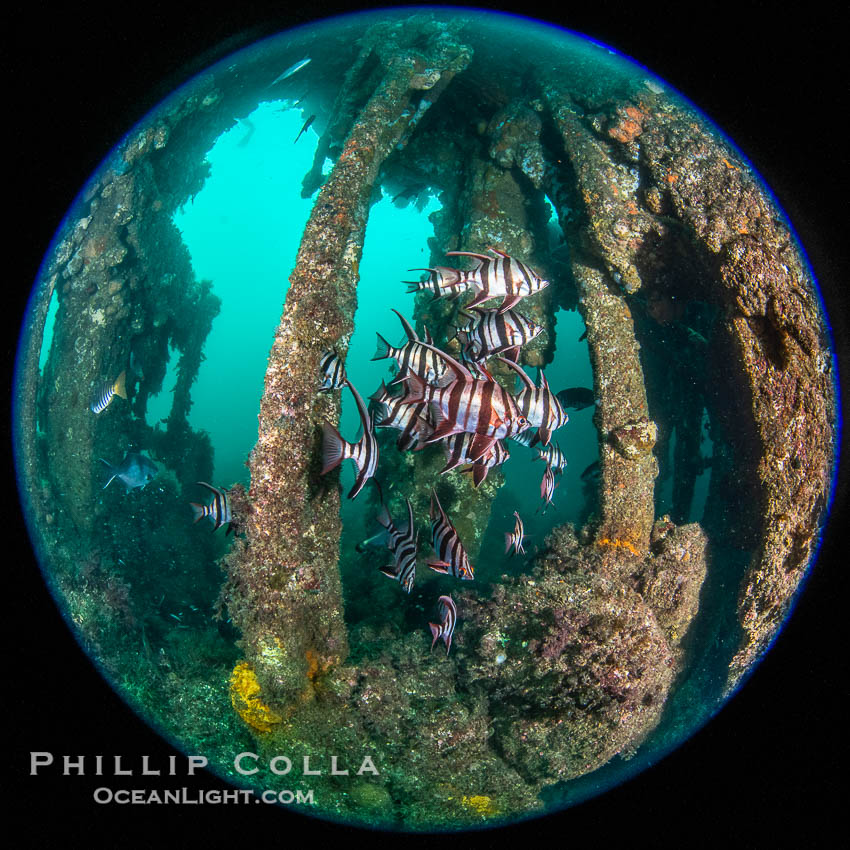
195,797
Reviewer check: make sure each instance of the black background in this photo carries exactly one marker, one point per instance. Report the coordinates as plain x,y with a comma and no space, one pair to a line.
765,768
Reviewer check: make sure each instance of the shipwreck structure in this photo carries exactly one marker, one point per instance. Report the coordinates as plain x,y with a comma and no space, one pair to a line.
696,302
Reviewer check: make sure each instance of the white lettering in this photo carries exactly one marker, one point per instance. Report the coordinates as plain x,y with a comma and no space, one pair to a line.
334,771
368,765
304,797
286,797
75,763
307,771
118,771
273,765
38,760
196,761
146,771
102,795
237,764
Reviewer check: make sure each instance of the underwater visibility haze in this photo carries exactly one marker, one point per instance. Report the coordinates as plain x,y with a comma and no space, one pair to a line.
529,431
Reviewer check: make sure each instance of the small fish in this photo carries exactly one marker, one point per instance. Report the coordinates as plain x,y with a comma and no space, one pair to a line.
290,71
515,539
412,356
364,452
592,474
107,390
403,543
407,194
451,556
576,398
333,372
446,627
524,438
493,332
135,470
442,281
413,420
307,123
539,405
553,456
547,487
500,276
218,510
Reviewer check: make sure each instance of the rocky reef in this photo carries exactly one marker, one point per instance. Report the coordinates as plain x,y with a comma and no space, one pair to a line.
697,303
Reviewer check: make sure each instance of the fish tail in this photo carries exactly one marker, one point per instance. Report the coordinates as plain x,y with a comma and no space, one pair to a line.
120,385
333,448
414,285
384,349
197,511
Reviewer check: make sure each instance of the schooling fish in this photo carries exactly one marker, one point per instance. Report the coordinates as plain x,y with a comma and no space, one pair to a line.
451,556
412,356
514,540
364,452
218,510
135,470
446,627
539,405
442,281
465,403
576,398
457,452
413,420
495,332
290,71
403,543
547,487
500,276
553,456
307,123
107,390
333,372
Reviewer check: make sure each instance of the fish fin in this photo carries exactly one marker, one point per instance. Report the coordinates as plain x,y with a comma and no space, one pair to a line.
333,448
498,252
413,286
384,348
120,385
426,335
444,428
510,301
381,394
197,511
508,542
229,529
482,257
415,389
109,482
435,633
535,440
480,297
408,329
479,473
448,641
439,567
480,445
388,572
544,435
384,517
511,354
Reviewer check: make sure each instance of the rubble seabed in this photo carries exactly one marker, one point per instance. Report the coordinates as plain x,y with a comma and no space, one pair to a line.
561,669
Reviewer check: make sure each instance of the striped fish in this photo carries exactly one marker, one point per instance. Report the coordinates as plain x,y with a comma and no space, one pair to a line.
413,420
412,356
451,556
539,405
333,372
500,275
553,456
514,540
495,332
218,510
442,281
446,627
106,391
547,487
462,403
403,543
457,452
364,452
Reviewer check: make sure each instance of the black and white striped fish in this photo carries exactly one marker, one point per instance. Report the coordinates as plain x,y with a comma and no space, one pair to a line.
106,391
457,453
451,556
218,510
514,539
442,281
333,372
524,438
364,452
547,487
495,332
500,275
413,420
403,543
462,403
554,457
445,628
539,405
413,356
